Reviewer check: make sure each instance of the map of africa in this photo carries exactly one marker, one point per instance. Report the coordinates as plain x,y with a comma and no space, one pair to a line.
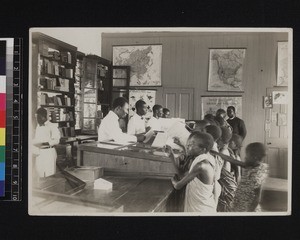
145,63
226,69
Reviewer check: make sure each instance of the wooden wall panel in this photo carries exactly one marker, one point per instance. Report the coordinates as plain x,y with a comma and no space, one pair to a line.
185,64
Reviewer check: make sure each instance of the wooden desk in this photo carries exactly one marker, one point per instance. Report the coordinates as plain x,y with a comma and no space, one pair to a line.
136,161
129,194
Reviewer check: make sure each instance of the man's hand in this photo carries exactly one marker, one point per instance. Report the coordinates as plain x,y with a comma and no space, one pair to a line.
169,150
177,141
140,137
42,145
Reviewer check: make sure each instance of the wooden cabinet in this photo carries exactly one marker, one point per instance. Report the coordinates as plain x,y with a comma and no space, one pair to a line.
96,92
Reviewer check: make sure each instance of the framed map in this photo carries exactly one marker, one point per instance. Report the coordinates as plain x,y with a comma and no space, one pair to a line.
147,96
210,104
282,64
226,69
145,63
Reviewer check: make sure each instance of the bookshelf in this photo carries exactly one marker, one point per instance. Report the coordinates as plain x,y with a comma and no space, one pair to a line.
53,81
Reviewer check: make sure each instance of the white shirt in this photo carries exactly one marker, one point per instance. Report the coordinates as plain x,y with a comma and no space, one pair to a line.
109,129
136,125
48,133
154,124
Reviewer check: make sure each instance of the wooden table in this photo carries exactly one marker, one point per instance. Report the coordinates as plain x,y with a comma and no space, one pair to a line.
129,194
131,161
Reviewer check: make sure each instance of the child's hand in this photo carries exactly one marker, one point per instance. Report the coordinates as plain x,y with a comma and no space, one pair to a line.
169,150
174,182
177,141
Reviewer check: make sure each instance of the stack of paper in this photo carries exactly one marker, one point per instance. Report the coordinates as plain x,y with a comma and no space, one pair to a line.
102,184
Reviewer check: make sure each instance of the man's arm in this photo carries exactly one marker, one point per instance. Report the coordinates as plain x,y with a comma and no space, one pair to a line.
131,126
55,135
117,135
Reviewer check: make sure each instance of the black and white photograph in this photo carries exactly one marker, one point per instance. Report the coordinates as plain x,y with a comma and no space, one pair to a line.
160,121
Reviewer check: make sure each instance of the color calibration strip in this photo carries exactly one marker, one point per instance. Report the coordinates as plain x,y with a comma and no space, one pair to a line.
13,112
2,115
15,103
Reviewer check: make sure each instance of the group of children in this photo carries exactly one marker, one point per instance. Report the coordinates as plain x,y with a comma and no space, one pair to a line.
208,176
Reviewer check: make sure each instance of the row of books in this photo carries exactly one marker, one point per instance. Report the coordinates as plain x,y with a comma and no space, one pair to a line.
67,131
59,84
54,68
59,100
63,56
59,115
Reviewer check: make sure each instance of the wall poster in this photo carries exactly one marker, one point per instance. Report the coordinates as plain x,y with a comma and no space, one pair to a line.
210,104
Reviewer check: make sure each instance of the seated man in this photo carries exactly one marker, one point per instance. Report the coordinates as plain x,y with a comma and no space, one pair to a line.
153,122
166,113
137,124
109,128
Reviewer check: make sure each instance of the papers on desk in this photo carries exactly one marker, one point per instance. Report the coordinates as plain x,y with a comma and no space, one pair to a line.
148,136
175,130
108,146
166,123
178,130
160,140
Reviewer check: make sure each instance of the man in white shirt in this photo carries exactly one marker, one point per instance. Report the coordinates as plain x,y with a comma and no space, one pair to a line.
46,136
110,129
137,124
153,122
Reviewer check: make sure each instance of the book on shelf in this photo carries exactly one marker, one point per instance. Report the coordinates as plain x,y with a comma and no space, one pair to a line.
64,84
54,54
67,101
59,100
69,72
66,57
59,114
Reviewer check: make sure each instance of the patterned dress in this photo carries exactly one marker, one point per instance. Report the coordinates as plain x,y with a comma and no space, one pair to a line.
247,190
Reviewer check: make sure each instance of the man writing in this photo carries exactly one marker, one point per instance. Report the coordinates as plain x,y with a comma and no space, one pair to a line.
237,124
109,128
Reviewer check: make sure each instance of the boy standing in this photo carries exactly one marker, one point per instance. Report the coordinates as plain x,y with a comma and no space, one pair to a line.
46,136
199,180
